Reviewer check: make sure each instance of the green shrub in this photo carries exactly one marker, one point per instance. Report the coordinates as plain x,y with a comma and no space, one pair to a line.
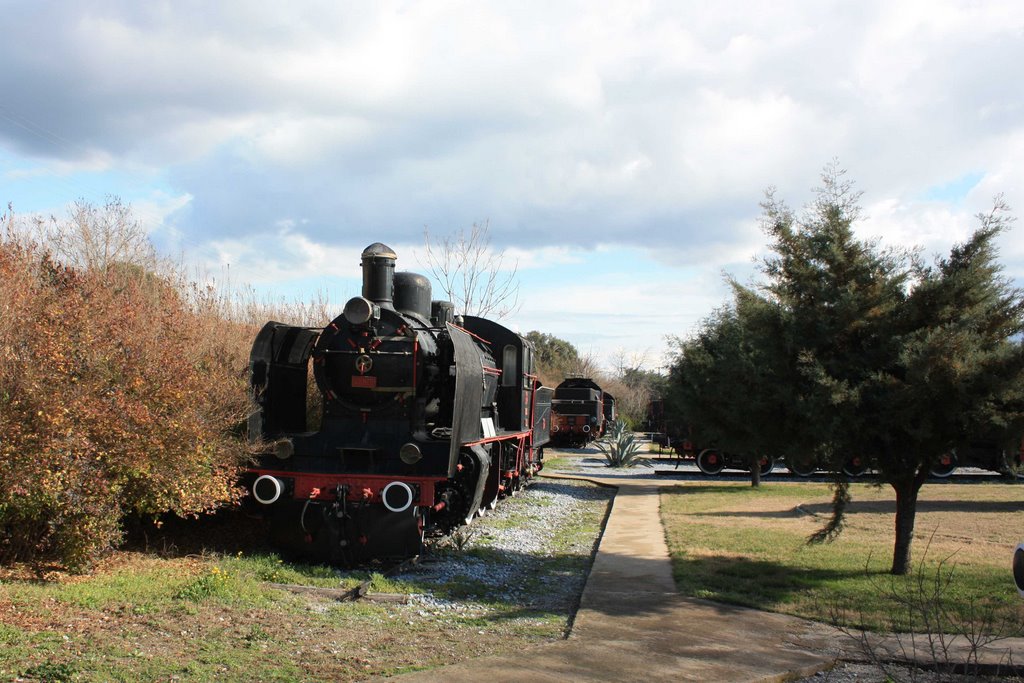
53,672
215,582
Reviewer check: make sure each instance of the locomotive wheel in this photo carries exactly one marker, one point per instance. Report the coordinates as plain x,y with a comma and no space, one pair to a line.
801,467
855,466
710,461
767,464
945,466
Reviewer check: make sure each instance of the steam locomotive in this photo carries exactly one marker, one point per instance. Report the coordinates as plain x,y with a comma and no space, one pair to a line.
581,410
426,420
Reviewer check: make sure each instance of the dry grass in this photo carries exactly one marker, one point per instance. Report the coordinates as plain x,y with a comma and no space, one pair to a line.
123,383
735,544
976,523
238,634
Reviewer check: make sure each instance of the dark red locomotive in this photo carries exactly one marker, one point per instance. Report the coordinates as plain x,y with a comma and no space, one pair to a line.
580,410
427,420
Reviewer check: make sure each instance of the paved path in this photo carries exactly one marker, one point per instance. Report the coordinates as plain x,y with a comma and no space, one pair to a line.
633,626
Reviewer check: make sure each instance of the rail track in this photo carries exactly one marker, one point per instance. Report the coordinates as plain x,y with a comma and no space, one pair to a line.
686,470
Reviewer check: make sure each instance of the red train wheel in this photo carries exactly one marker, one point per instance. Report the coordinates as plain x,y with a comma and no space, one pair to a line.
710,461
801,467
945,466
855,466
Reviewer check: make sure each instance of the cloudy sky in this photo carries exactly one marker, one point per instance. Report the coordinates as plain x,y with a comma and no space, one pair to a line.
617,151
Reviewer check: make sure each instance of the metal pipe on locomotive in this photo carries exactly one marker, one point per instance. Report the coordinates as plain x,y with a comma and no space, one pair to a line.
426,420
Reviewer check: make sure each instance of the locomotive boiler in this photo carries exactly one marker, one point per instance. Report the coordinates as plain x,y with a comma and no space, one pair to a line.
425,420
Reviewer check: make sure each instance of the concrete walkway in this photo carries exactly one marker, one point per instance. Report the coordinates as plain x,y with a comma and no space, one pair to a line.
633,626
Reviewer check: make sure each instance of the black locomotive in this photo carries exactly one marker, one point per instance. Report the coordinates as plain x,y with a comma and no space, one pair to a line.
580,411
426,420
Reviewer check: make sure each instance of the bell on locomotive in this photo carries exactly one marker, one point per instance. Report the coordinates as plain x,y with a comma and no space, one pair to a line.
412,427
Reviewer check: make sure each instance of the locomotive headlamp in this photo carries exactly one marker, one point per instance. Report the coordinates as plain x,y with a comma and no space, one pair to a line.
358,310
410,453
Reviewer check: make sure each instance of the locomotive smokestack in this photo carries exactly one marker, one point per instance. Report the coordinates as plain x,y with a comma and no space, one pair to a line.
379,274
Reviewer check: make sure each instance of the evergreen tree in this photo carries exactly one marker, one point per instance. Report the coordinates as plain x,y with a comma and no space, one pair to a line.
898,363
725,381
958,373
848,350
552,351
842,296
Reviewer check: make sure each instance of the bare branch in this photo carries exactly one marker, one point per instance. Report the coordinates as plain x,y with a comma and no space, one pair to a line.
96,238
472,274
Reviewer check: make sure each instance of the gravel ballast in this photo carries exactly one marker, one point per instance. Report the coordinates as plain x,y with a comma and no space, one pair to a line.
533,552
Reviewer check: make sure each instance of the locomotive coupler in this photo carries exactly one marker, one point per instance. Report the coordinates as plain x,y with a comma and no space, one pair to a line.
340,506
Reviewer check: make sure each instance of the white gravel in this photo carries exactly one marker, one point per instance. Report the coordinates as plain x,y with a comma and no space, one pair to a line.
863,672
592,463
530,552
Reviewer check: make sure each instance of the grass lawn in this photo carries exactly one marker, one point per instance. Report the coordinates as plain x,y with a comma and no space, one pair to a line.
732,543
556,459
210,616
207,618
212,619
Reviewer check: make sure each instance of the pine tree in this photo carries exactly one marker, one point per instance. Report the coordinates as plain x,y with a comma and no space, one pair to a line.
848,350
958,373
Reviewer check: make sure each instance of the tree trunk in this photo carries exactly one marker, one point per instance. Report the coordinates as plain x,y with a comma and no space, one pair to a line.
755,470
906,511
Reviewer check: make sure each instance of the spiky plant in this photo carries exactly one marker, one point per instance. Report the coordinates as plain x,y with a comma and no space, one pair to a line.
620,447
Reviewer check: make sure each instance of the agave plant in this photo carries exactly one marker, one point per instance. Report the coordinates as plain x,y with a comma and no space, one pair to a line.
620,447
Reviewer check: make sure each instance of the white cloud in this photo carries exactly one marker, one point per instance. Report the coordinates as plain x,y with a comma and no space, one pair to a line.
275,258
154,212
283,139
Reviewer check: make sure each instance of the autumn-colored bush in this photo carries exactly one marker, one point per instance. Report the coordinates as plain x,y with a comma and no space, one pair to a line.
122,389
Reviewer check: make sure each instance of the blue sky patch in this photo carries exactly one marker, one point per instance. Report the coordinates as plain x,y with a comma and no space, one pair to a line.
955,191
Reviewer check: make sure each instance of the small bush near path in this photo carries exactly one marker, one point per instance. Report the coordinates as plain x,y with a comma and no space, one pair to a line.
734,544
620,447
